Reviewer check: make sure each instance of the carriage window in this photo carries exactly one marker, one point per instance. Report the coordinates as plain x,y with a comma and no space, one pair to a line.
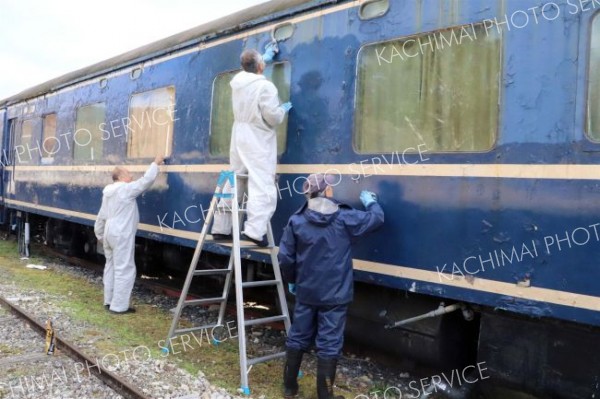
222,113
439,89
151,116
593,111
373,9
87,138
25,149
49,141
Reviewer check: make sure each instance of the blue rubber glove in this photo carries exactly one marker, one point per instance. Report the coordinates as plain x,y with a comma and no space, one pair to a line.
367,198
270,51
292,288
286,106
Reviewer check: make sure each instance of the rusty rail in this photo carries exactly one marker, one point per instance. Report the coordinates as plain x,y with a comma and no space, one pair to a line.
113,381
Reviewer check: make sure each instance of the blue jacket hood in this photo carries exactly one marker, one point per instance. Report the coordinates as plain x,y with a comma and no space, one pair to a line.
321,211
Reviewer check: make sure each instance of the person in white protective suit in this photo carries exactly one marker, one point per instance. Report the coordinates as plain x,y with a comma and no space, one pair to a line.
253,149
115,228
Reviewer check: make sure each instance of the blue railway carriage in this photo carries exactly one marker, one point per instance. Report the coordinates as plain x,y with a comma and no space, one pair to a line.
476,121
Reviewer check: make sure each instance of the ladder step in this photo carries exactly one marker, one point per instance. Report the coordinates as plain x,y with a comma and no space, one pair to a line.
192,329
205,272
254,246
251,284
193,302
264,320
265,358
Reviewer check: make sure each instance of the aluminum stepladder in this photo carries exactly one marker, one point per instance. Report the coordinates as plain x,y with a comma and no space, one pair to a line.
234,267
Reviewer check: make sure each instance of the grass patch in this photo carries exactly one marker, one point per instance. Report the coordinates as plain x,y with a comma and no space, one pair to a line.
8,350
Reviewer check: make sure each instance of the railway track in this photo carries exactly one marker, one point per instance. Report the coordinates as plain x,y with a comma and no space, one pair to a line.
36,382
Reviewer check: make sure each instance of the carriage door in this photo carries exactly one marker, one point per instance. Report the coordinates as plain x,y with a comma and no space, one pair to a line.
3,162
8,157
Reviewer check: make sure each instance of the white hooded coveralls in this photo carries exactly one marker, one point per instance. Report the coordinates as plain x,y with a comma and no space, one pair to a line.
116,226
253,149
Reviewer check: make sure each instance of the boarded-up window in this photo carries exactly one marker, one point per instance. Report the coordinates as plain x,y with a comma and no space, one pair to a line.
151,116
87,138
221,120
593,111
439,89
50,145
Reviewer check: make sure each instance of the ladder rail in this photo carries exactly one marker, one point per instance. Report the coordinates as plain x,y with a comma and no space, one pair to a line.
280,288
226,290
239,294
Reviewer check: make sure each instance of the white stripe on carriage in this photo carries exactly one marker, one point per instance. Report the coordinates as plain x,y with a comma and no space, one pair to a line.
508,171
564,298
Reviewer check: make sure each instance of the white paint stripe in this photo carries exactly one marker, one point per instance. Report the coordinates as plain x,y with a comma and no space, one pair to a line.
478,284
490,286
510,171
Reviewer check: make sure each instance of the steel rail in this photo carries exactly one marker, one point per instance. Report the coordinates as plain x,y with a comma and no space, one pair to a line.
113,381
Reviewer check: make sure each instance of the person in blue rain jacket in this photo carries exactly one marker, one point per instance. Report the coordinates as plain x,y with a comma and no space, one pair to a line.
316,261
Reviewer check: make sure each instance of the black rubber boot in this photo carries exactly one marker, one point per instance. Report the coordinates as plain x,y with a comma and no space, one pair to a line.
325,378
290,372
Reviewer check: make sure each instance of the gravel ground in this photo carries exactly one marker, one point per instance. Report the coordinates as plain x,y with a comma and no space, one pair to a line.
162,378
29,373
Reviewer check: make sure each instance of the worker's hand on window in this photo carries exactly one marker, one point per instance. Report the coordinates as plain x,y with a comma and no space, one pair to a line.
286,106
367,198
159,159
270,51
292,288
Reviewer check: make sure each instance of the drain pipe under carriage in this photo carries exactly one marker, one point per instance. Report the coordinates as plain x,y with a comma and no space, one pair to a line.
446,391
441,310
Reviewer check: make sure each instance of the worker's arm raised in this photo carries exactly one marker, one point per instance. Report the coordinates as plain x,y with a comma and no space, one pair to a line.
270,108
358,222
136,188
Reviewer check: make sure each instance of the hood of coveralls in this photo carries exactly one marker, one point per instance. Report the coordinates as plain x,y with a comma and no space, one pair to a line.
321,211
111,189
243,79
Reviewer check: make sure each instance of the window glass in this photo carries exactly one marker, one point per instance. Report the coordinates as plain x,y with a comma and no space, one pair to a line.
593,112
49,141
151,116
87,138
439,89
222,111
373,9
12,139
24,151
